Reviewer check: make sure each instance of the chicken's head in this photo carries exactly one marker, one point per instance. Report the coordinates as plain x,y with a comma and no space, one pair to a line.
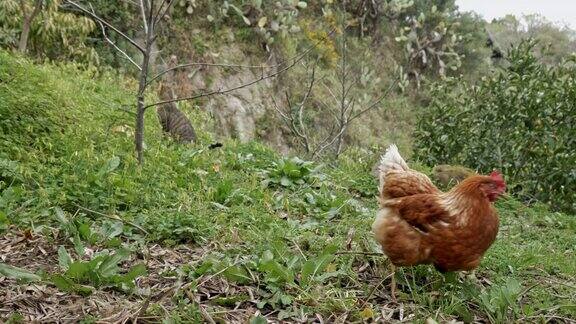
495,187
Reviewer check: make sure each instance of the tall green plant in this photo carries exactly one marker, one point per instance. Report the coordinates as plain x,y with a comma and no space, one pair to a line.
520,120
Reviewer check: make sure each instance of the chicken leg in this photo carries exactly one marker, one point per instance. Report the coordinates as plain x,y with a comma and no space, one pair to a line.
393,284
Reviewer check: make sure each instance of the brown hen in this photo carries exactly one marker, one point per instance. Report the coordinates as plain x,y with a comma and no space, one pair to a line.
419,224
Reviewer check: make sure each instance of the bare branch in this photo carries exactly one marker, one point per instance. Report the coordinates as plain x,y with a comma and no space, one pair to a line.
289,120
294,118
332,94
159,16
114,44
277,108
300,110
325,142
262,67
375,102
143,11
107,24
160,10
181,66
330,109
220,91
328,144
37,8
297,130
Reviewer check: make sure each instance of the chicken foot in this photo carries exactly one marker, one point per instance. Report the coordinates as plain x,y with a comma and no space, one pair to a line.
393,284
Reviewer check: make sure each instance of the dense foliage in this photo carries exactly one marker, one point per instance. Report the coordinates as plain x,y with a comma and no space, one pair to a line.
239,231
520,120
55,34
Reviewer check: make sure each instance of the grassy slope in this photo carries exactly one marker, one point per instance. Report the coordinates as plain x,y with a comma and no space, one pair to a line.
265,248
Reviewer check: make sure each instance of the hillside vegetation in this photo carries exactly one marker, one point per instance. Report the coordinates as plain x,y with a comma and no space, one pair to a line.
231,234
514,120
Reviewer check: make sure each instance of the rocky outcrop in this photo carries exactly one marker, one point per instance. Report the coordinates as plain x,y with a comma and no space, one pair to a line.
241,113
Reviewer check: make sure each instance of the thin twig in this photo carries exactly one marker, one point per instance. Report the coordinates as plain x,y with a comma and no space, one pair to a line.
158,18
290,120
361,253
226,65
220,91
209,277
374,289
297,57
112,217
207,317
114,44
375,102
143,10
107,24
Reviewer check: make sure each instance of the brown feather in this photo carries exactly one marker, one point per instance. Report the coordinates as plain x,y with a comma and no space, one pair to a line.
419,224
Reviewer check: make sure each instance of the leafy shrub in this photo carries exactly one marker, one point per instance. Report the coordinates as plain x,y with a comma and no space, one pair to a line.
101,271
291,172
173,227
520,120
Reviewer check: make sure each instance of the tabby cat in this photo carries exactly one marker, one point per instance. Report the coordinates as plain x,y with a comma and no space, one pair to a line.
173,121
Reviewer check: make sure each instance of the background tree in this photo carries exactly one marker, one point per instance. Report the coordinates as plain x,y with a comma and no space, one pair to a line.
319,125
555,41
28,15
152,16
41,29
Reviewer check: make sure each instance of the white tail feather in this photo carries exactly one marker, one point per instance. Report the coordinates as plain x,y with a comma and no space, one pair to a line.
391,160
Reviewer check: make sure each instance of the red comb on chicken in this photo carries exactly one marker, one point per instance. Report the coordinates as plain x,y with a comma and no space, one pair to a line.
419,224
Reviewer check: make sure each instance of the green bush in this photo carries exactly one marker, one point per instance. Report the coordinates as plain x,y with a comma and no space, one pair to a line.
519,120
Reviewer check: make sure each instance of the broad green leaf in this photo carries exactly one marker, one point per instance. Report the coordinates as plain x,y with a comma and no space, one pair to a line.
3,218
111,164
258,320
78,245
4,221
84,231
64,259
113,229
60,216
66,284
17,273
136,271
267,256
286,182
237,274
126,281
78,270
315,266
109,266
203,268
277,272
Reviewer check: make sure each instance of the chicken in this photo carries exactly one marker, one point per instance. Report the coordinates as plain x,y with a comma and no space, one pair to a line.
419,224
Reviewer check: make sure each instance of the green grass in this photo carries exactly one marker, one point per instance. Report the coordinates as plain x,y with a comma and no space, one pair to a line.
259,233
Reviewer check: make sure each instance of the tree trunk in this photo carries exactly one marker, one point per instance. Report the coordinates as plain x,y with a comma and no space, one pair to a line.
23,44
142,84
139,134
